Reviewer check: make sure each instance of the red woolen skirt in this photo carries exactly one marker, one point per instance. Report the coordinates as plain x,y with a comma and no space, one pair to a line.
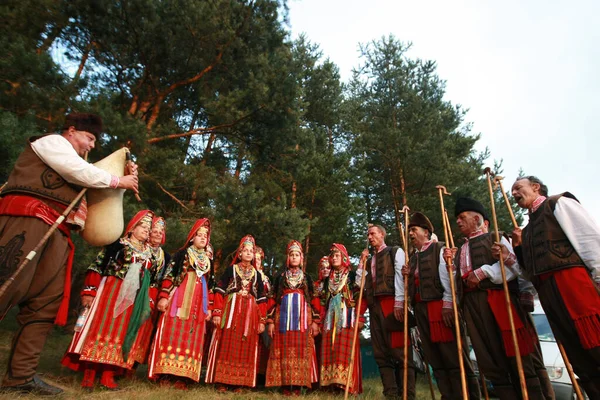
233,350
102,336
179,343
335,359
293,360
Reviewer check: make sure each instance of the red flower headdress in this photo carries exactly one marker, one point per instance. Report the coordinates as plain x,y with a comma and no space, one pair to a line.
162,225
202,223
323,263
294,245
259,250
142,217
247,240
342,249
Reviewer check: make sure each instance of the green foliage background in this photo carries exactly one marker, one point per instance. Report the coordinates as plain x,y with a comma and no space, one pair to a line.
232,120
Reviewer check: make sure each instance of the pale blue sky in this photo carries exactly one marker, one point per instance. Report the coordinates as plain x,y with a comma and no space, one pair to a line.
527,70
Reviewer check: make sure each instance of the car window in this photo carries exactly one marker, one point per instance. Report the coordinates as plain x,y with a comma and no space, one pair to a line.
543,328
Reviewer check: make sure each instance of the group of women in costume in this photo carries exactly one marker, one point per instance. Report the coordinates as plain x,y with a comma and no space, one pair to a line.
143,306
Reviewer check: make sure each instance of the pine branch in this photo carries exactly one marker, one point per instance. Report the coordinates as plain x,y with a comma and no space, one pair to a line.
203,131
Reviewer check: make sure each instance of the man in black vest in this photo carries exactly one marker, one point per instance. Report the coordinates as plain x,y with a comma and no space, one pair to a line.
384,289
46,178
429,286
484,308
559,250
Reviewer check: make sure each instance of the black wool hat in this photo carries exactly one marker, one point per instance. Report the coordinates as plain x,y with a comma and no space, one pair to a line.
420,219
91,123
467,204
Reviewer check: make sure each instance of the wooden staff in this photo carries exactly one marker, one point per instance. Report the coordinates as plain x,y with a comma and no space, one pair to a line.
355,336
513,331
405,210
498,181
449,265
484,386
43,240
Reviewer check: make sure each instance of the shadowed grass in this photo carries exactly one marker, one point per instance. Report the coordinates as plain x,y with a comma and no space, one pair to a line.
140,388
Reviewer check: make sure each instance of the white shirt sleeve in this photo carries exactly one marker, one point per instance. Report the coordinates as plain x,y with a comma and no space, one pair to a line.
582,231
56,152
399,261
493,271
358,278
443,271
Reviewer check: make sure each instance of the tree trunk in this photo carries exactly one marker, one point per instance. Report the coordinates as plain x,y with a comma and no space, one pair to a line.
293,204
310,217
155,111
217,262
238,165
83,61
189,138
208,149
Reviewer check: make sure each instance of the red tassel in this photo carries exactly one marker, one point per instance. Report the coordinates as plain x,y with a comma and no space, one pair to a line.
439,332
581,299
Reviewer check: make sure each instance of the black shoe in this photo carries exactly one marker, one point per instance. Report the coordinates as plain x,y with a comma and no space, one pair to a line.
35,386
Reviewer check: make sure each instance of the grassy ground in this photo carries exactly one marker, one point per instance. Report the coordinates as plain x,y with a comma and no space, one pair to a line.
139,387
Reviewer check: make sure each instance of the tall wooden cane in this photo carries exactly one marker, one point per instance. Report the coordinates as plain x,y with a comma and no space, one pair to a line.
498,181
355,335
513,331
405,210
449,265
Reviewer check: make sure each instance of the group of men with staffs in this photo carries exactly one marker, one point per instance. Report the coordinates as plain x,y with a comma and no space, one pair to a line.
485,285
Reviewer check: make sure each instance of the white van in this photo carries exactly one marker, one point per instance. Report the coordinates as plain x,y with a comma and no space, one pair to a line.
561,382
559,376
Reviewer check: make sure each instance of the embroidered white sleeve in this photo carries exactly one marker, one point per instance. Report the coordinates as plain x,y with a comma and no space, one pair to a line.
443,271
583,232
399,261
56,152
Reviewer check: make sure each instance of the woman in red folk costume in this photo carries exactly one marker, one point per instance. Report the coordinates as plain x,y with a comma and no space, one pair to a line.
183,299
156,239
339,297
118,291
239,317
293,322
158,236
324,269
264,342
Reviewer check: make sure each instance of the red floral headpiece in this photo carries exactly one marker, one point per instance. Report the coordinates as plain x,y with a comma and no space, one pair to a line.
259,250
142,217
200,223
294,245
323,263
247,240
162,225
342,249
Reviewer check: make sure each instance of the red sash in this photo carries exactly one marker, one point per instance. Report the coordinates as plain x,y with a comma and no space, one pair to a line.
581,298
525,335
438,331
25,206
387,307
